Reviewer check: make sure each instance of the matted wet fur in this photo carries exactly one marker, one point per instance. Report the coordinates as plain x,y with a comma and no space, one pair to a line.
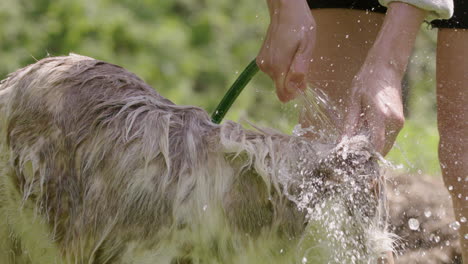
97,167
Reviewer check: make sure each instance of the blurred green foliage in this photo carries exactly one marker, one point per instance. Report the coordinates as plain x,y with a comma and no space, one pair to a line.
190,51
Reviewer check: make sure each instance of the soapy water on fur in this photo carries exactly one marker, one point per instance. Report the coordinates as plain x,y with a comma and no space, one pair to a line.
347,203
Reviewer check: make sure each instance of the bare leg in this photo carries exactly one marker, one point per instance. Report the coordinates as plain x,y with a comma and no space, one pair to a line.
452,100
344,37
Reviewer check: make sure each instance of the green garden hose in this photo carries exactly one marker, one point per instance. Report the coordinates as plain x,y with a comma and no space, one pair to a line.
233,92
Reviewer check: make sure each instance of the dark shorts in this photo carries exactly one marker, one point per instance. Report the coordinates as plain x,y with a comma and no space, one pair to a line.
459,19
370,5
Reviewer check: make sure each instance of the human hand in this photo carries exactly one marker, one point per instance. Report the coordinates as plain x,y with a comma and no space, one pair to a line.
375,106
286,51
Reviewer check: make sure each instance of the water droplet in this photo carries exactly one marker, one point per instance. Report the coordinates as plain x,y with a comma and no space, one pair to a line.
262,61
455,225
437,239
450,187
463,219
427,213
413,224
347,36
205,207
304,260
466,236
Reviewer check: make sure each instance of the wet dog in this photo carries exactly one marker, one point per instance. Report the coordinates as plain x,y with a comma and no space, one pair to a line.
97,167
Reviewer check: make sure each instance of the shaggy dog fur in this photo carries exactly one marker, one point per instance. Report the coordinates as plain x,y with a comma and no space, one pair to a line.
97,167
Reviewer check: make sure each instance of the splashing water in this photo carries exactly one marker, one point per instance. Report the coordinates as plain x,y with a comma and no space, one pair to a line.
318,109
413,224
349,217
227,203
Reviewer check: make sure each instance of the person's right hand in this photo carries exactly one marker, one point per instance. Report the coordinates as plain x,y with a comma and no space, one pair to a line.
374,104
287,49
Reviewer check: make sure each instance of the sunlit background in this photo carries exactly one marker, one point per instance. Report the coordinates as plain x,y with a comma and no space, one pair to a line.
191,51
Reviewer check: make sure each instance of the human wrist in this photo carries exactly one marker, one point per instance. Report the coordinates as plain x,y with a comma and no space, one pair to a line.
384,71
383,59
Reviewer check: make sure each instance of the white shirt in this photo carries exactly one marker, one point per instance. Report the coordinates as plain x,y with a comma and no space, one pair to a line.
437,9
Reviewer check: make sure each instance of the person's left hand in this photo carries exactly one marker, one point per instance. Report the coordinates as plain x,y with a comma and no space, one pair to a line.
375,106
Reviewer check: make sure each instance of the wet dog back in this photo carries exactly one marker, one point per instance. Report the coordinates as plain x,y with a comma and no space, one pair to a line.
104,169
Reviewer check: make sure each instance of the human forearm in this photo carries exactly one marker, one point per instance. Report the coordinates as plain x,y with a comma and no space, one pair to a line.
396,38
376,108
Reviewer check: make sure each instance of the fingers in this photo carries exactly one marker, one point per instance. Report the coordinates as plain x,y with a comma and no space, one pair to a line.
393,127
381,128
377,131
278,65
286,52
384,127
296,79
281,93
275,61
263,59
353,117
